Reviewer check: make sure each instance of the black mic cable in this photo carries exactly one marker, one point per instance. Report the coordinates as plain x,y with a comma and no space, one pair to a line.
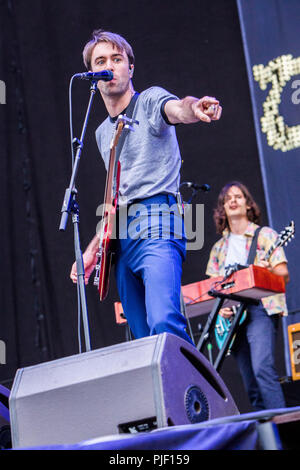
195,186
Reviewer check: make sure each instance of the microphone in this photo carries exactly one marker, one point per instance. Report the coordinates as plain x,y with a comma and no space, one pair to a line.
197,187
105,75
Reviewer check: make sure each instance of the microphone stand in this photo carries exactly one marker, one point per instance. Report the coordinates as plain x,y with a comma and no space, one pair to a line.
70,206
195,189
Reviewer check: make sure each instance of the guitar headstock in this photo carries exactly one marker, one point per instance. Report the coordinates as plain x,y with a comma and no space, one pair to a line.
286,235
123,122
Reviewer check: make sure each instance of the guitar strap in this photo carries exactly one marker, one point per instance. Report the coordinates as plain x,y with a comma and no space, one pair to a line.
253,247
128,112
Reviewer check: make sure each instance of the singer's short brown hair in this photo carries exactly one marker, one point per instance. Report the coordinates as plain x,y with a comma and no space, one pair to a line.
220,218
100,35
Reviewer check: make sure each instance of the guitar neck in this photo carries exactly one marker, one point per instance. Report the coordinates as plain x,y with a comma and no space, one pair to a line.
108,195
270,252
282,239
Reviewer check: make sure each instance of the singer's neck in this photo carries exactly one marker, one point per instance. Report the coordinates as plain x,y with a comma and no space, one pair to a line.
116,103
238,225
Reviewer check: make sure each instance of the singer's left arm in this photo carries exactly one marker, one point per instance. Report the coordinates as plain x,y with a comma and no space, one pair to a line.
191,109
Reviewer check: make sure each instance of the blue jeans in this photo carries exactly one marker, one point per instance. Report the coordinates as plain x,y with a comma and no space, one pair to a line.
148,270
254,350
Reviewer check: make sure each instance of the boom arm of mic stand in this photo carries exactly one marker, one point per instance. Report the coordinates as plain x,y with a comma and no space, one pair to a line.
70,206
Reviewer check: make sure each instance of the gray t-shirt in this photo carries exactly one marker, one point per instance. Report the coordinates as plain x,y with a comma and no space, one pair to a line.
150,158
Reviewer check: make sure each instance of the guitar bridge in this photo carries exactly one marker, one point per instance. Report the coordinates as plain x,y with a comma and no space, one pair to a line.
223,327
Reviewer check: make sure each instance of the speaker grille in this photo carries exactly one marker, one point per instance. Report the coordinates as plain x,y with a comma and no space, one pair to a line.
196,405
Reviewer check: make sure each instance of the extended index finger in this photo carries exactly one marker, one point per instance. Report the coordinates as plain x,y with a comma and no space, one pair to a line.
209,100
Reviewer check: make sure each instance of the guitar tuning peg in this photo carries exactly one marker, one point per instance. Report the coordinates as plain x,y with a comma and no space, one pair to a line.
129,127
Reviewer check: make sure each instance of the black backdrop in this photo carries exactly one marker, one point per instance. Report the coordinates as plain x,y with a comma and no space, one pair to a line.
191,47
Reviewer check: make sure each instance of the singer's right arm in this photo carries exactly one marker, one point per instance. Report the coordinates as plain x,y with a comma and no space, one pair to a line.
191,109
89,260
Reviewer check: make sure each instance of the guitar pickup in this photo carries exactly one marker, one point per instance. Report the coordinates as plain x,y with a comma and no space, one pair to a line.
220,329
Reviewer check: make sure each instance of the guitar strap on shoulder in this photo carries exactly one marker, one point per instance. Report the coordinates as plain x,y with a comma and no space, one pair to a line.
129,113
253,247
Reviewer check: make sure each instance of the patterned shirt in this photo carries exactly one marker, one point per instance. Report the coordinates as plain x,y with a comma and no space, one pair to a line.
266,238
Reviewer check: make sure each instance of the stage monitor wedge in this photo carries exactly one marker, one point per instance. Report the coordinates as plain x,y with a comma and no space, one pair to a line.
139,385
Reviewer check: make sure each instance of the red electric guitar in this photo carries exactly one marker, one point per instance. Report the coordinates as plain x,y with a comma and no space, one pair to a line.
107,236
